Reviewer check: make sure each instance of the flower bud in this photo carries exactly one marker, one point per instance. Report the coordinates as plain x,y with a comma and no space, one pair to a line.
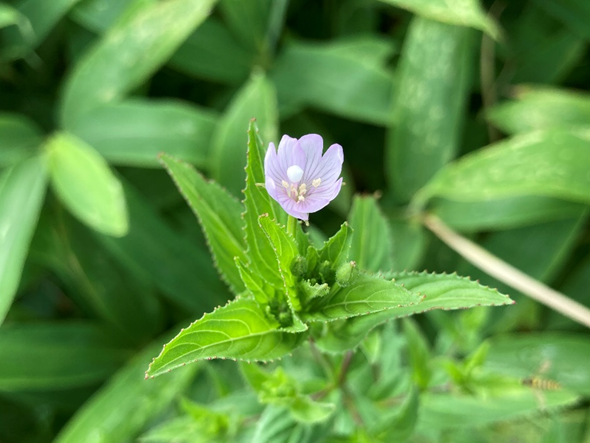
326,272
346,274
299,267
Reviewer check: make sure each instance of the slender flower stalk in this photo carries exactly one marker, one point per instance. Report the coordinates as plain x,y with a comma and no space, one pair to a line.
299,177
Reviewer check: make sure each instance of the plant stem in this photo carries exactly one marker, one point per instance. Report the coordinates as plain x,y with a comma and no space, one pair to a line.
292,226
508,274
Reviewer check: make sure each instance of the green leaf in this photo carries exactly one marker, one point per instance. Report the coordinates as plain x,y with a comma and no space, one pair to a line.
134,132
441,291
465,13
336,250
573,13
85,184
434,84
102,289
305,410
551,163
506,213
74,354
178,430
256,99
22,189
401,425
276,425
212,53
150,242
409,243
257,202
326,78
239,330
559,357
419,354
248,21
541,108
372,246
219,214
367,294
100,15
443,411
129,54
42,17
15,41
19,136
126,403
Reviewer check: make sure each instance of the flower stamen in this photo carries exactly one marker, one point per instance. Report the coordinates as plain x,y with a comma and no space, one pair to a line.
315,183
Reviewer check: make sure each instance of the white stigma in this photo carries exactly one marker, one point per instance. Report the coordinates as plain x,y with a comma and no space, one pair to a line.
295,173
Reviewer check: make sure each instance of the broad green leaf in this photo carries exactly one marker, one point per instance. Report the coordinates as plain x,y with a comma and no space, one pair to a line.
372,49
100,15
188,280
409,243
255,283
442,411
96,284
337,249
257,202
212,53
239,330
126,403
129,54
560,357
573,13
541,108
22,188
367,294
219,214
83,181
256,99
248,21
419,354
276,425
42,16
16,33
435,74
401,425
441,291
371,246
552,163
73,354
462,13
18,138
323,77
506,213
134,132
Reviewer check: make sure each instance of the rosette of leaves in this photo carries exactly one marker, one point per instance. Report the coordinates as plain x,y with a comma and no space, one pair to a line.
287,290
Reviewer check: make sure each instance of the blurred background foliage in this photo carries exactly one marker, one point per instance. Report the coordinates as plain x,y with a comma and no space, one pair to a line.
100,256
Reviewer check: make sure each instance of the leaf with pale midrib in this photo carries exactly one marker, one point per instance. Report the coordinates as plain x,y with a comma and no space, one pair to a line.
239,330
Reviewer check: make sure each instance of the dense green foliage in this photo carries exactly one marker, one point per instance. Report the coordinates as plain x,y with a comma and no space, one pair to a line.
474,113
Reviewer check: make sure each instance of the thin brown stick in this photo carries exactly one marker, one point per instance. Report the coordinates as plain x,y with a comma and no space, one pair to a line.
508,274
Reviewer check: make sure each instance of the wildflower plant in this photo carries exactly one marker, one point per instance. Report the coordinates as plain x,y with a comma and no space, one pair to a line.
288,292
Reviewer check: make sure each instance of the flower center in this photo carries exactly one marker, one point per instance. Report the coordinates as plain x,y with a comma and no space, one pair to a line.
294,173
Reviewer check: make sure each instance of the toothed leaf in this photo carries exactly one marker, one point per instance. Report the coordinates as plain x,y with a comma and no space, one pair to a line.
442,292
258,202
337,248
285,250
260,289
239,330
367,294
219,214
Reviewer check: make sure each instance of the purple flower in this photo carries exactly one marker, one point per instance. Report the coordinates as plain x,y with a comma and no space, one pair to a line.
299,177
